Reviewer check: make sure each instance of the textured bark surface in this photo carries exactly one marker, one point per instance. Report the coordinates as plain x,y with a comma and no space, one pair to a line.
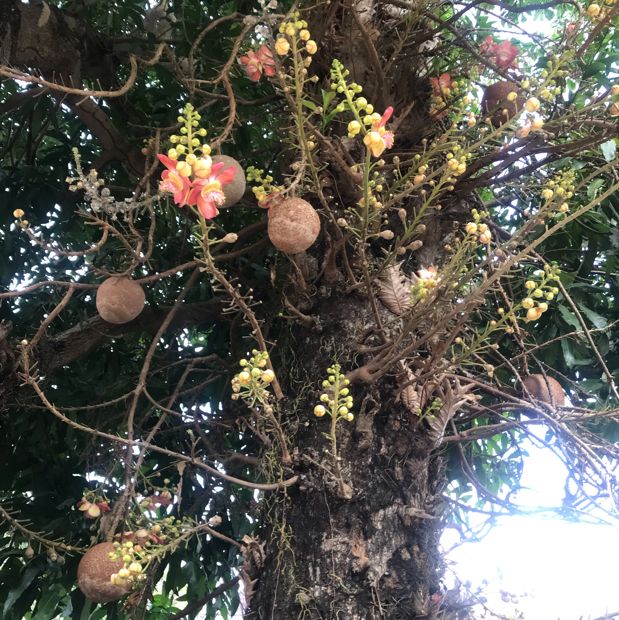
371,556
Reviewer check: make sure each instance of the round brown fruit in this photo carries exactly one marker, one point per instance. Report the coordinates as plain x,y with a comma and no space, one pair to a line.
546,389
496,103
94,574
119,300
232,191
293,225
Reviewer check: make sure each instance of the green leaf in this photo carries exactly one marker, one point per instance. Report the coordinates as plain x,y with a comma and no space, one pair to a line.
309,104
569,317
597,319
569,355
327,98
594,188
28,577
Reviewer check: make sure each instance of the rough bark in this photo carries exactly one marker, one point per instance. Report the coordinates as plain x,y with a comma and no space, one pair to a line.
373,555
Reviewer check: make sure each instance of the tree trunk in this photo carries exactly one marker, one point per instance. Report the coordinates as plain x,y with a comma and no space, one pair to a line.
368,549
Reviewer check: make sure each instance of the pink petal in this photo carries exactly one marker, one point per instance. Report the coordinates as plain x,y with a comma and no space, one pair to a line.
207,208
170,164
386,116
227,176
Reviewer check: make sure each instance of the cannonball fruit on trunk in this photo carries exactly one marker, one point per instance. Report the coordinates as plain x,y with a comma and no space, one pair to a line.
293,225
119,300
94,574
232,191
546,389
497,104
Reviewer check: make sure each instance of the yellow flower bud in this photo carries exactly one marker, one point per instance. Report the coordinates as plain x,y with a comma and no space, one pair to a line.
135,568
533,314
532,104
311,47
593,10
268,376
354,127
282,47
244,377
183,168
319,411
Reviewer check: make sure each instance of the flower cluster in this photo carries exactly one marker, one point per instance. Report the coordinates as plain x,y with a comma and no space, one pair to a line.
442,88
477,228
259,61
96,194
336,399
295,33
264,190
161,497
373,200
502,54
366,121
191,176
425,281
558,190
134,559
92,506
456,164
540,291
598,13
253,381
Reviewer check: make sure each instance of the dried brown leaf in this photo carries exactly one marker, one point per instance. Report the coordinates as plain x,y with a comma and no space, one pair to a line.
394,291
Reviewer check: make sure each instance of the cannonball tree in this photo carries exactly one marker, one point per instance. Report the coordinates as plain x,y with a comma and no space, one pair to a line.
276,408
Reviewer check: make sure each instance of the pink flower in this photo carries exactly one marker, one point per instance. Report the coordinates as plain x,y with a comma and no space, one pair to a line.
258,61
504,54
379,138
441,84
208,193
174,183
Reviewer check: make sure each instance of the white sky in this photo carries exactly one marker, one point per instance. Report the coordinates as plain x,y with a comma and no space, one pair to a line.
558,570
